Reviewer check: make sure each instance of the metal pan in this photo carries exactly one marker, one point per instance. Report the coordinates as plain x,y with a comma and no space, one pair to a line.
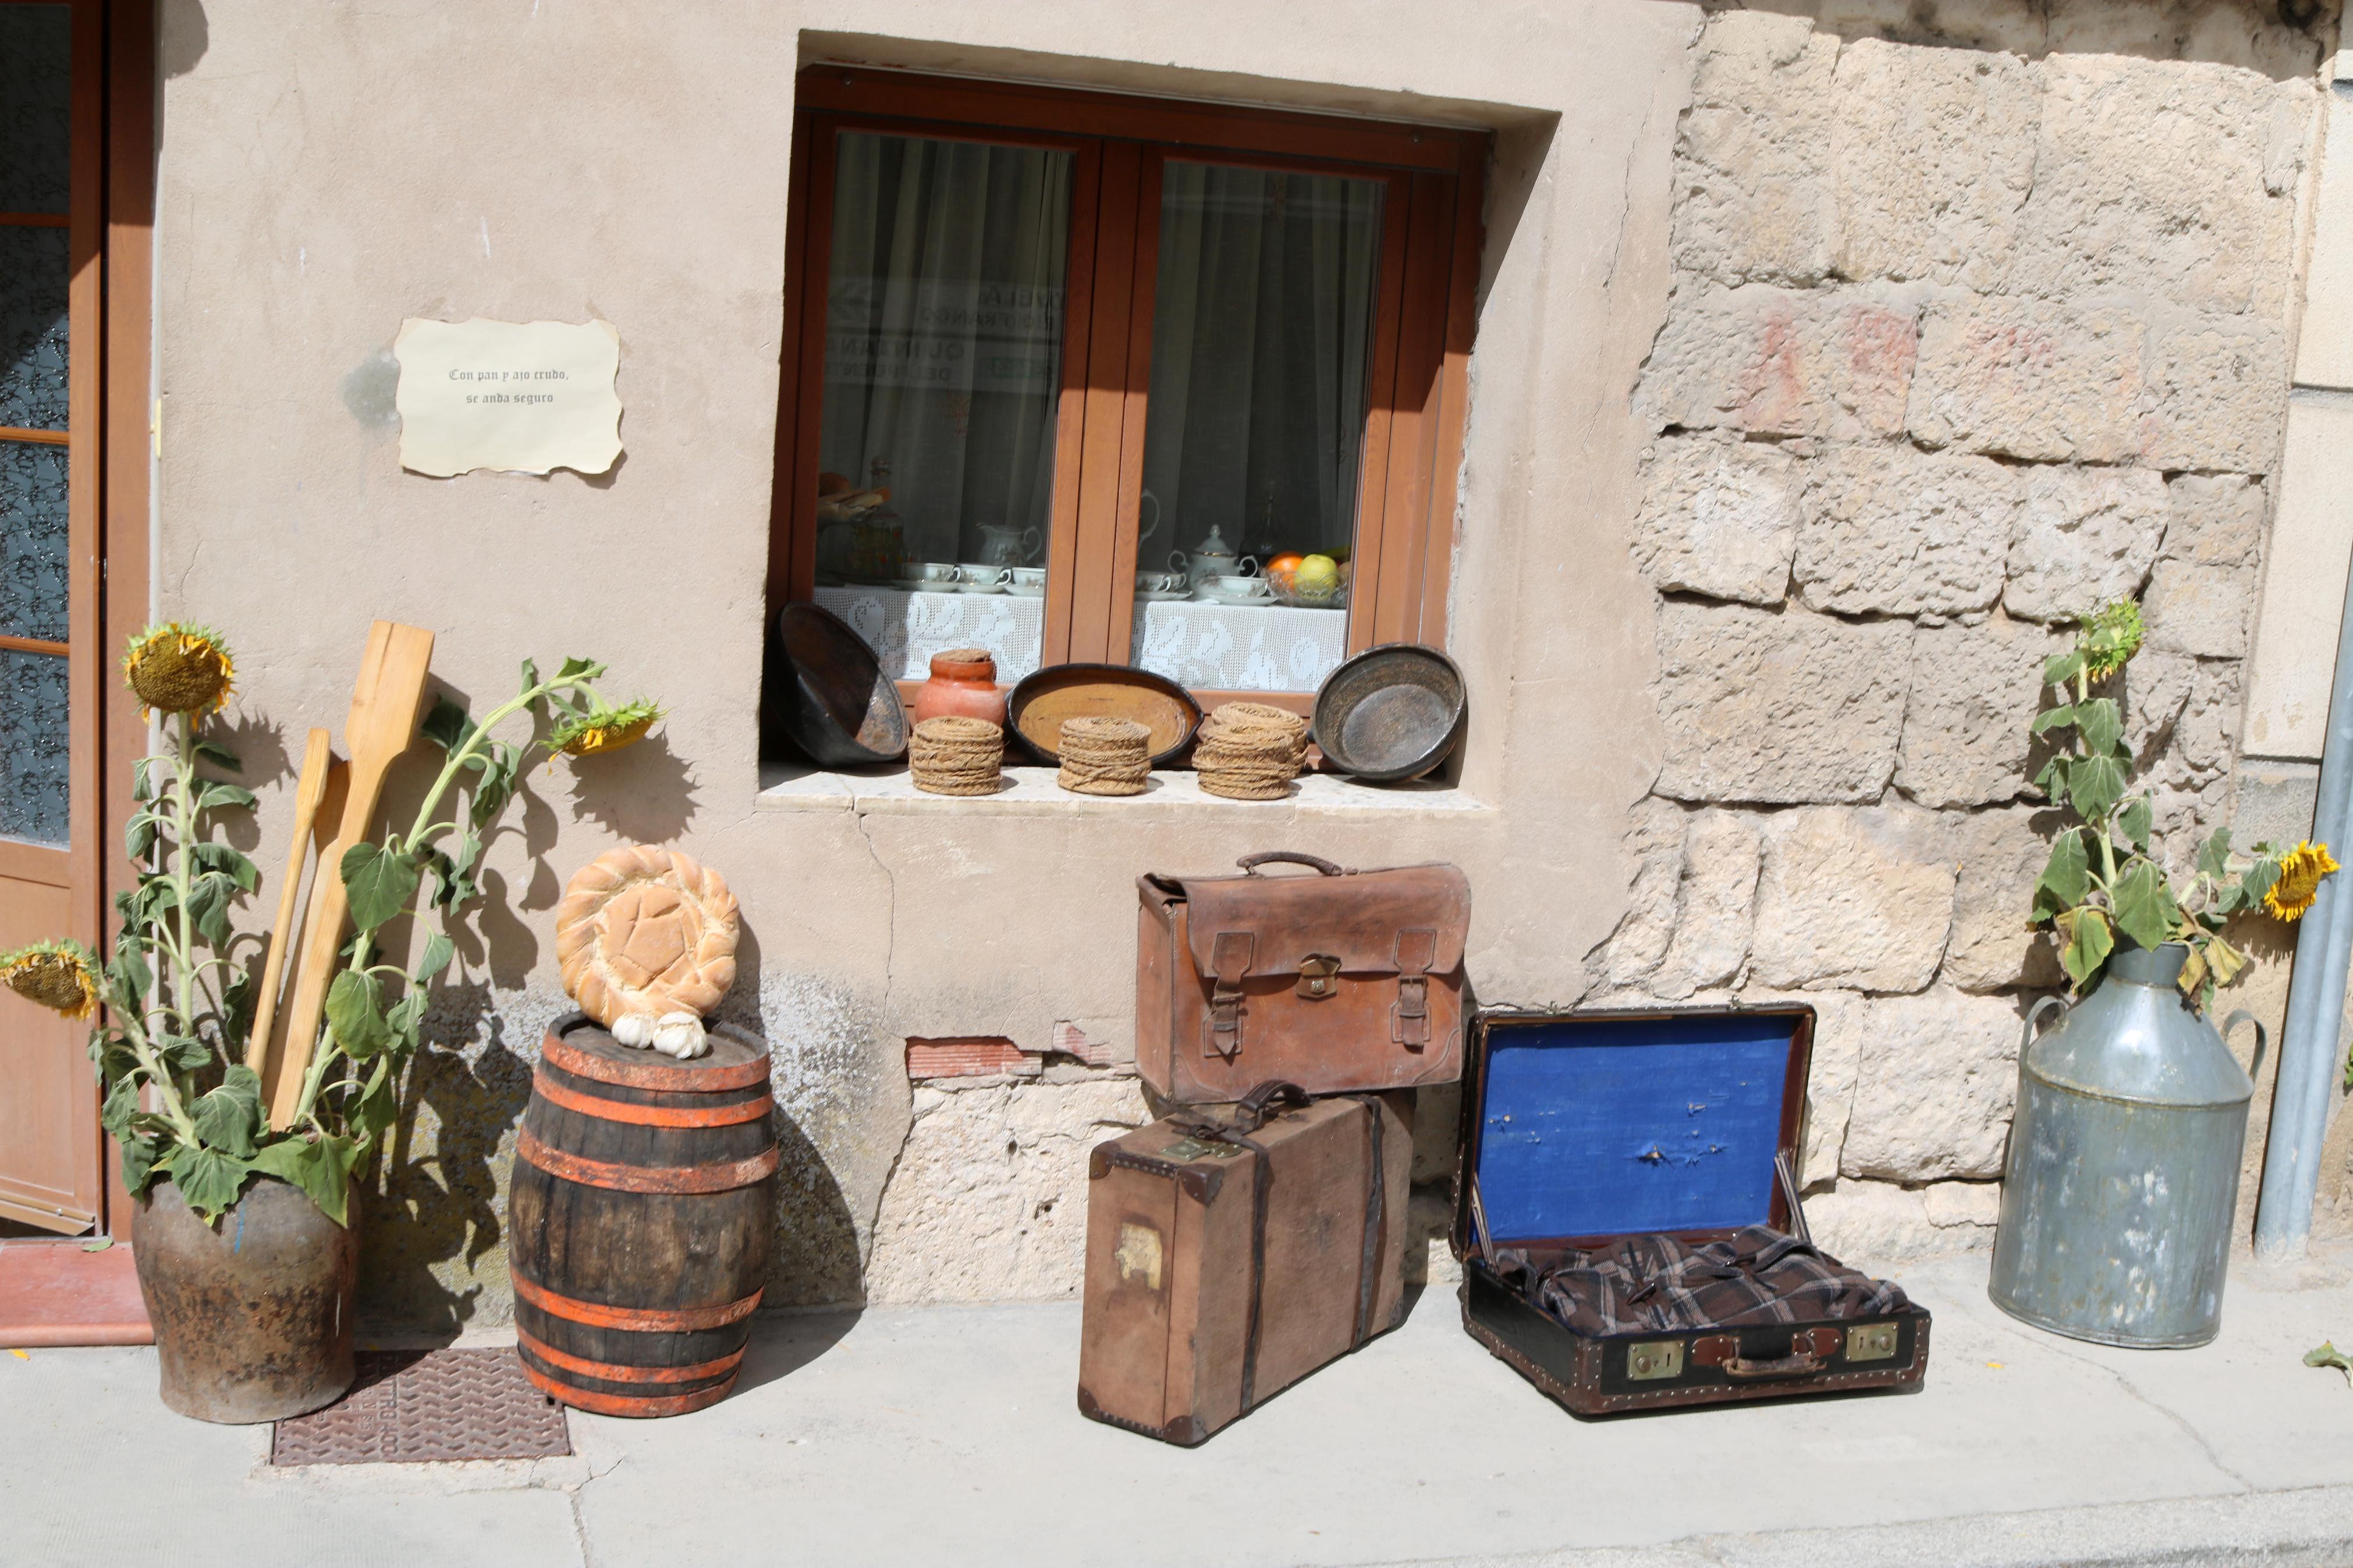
1392,712
836,706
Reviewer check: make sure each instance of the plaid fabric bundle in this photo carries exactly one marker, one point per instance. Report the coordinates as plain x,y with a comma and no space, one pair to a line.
1639,1284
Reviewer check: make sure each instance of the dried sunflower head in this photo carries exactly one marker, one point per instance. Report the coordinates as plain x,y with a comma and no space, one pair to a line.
180,669
2109,638
601,729
62,975
2298,883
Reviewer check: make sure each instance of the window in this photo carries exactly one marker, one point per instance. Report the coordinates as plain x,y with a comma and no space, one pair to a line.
1081,377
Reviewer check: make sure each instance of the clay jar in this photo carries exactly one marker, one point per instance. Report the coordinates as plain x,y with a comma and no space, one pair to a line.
963,684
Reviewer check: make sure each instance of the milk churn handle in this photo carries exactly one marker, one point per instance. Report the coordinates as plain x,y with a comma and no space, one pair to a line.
2027,1037
2263,1038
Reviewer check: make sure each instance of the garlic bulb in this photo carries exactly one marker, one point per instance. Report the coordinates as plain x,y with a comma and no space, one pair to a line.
634,1029
681,1034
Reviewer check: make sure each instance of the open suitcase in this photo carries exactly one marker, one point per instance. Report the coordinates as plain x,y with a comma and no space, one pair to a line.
1596,1140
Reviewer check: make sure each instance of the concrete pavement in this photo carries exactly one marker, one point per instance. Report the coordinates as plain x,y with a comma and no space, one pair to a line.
948,1436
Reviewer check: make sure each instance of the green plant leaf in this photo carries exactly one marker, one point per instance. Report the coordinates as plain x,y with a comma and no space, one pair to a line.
2257,879
184,1054
139,1153
403,1016
448,725
2224,963
2100,723
380,882
322,1167
2061,668
128,969
2051,719
2089,943
139,834
355,1014
438,951
215,795
2095,784
209,1179
142,779
229,1118
378,1105
209,893
2328,1354
225,859
2066,878
2135,819
221,756
2214,855
2144,904
2053,780
454,873
121,1103
584,669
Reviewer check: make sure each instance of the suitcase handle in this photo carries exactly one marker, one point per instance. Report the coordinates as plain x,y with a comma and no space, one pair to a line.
1250,863
1797,1366
1251,1113
1810,1350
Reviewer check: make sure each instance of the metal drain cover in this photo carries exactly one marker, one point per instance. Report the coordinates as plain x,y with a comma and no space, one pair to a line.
421,1406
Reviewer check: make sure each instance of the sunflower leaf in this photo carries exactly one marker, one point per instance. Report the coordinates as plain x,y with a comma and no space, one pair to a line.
210,1179
2067,877
380,882
2095,784
2135,819
322,1167
2328,1354
2089,943
2214,855
2144,904
229,1117
2102,724
355,1014
2061,668
2051,719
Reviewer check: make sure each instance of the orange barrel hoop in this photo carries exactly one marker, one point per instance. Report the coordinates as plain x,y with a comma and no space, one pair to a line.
640,1219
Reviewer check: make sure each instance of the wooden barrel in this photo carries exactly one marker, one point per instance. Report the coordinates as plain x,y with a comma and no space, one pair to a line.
640,1218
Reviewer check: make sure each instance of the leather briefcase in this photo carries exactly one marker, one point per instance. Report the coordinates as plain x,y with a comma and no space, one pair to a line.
1230,1257
1342,982
1657,1148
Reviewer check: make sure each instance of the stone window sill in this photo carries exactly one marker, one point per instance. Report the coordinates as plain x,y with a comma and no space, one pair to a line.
1031,792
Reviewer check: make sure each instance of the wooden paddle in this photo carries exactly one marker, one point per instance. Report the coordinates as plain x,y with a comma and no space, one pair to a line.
384,703
310,789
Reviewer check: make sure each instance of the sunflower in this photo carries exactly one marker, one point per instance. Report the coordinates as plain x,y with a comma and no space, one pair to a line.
62,975
2109,638
180,669
603,729
2298,884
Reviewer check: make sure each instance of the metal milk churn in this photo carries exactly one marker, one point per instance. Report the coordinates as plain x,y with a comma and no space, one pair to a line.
2124,1162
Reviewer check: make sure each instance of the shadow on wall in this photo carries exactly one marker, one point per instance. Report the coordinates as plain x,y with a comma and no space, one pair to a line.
2281,38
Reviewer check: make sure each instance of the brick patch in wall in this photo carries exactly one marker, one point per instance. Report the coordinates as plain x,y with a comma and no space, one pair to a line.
976,1056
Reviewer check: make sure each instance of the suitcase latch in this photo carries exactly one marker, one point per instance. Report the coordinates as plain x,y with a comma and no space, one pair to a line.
1870,1341
1316,972
1654,1359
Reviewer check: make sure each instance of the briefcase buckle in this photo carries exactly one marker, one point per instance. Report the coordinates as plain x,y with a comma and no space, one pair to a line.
1317,974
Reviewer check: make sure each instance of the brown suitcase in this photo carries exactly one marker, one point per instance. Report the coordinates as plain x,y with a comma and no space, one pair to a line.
1230,1257
1341,983
1582,1128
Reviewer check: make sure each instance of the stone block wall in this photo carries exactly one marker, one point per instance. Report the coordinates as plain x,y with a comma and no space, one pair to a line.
1961,344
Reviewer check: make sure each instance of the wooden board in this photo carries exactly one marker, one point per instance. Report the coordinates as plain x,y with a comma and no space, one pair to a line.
1039,706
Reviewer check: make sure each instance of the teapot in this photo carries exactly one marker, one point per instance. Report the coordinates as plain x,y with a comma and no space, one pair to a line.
1213,559
1002,544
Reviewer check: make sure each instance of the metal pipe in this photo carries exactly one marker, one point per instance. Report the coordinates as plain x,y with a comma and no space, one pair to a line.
2315,999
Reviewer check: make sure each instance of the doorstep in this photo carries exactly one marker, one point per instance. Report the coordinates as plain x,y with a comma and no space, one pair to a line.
949,1436
54,1293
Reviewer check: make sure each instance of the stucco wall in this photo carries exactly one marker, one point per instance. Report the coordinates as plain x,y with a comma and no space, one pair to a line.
326,173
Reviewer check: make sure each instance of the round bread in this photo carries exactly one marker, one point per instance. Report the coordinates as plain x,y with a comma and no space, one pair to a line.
650,930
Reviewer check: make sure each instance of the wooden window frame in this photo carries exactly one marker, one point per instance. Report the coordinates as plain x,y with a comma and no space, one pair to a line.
1418,360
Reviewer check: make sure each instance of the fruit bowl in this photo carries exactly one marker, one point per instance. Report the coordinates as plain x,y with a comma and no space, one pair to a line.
1285,590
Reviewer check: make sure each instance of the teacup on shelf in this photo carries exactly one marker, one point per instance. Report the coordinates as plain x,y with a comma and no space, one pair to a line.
1026,582
1160,582
942,572
1232,590
973,578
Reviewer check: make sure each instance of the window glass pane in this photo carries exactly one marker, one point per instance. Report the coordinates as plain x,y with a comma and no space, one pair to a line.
1260,335
942,378
33,734
32,540
36,107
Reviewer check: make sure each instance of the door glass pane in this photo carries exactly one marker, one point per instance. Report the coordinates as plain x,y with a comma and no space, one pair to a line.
36,107
33,730
32,280
33,540
1262,330
943,377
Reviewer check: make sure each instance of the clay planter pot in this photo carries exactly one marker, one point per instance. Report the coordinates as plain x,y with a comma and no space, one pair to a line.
253,1320
962,683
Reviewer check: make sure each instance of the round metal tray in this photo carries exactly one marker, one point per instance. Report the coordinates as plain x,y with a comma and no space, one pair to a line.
1392,712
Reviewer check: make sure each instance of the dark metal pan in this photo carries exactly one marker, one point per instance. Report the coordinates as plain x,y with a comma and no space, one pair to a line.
837,704
1392,712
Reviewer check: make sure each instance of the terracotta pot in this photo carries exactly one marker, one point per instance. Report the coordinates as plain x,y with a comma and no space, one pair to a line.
962,683
253,1318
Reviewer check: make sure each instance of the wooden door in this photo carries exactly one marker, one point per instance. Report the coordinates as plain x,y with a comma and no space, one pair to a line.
52,198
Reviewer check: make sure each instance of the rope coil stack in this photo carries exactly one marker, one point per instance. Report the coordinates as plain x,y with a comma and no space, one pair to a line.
1250,751
1105,756
952,756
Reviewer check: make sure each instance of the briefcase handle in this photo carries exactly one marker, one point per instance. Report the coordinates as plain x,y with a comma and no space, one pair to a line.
1250,863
